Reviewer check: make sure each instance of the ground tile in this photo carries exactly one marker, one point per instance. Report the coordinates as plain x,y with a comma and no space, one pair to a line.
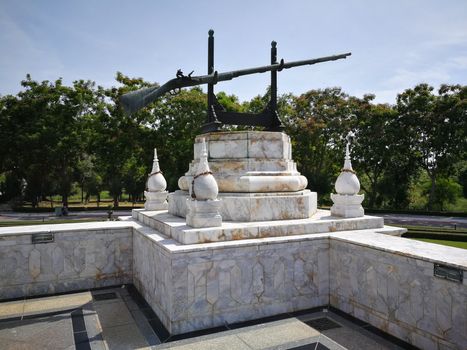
355,340
21,330
55,332
59,334
8,344
277,333
228,342
124,337
113,314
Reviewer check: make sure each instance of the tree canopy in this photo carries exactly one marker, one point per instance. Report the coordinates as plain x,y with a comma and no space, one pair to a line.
56,138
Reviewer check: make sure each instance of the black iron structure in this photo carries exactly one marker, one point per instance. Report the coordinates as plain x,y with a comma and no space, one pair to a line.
217,115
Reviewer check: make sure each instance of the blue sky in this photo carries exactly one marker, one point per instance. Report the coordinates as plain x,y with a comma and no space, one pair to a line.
395,44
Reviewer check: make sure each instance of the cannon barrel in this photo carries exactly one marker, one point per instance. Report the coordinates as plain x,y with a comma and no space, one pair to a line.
135,100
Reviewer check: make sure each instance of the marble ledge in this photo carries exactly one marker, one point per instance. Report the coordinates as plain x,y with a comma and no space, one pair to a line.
320,222
78,226
175,247
411,248
371,238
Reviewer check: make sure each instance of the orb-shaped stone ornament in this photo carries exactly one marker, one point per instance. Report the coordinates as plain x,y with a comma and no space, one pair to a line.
347,183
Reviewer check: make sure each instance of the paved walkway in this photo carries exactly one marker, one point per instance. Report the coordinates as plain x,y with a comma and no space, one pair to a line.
424,220
119,319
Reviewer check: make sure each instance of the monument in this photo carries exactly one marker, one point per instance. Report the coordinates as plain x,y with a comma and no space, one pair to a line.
257,177
250,189
242,239
274,251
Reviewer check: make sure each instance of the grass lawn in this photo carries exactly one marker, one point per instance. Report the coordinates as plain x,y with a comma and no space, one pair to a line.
456,244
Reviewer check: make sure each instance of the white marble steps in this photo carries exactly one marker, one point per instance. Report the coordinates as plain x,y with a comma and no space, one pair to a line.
176,228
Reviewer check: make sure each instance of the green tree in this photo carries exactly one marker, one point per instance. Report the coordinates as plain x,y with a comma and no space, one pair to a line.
175,122
383,156
116,136
370,154
437,124
317,123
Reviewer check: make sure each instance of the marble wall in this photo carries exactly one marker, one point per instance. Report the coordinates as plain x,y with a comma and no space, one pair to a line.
76,260
231,284
384,280
203,286
399,294
152,272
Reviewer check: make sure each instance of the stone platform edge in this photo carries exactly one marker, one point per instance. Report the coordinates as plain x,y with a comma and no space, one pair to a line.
381,239
321,222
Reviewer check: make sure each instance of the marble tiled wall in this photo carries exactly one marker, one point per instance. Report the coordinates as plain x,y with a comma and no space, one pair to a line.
152,274
386,281
234,284
399,295
76,260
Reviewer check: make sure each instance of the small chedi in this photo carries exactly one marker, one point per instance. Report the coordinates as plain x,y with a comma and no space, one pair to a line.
156,194
203,205
347,201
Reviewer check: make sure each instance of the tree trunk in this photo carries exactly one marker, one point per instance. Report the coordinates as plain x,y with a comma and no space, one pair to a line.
98,199
65,200
82,192
372,199
116,201
431,197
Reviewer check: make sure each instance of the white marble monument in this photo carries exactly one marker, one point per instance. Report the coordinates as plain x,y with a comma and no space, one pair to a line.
256,176
203,205
347,201
156,194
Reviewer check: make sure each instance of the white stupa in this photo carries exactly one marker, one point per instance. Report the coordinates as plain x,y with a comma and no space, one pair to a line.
347,201
203,205
156,194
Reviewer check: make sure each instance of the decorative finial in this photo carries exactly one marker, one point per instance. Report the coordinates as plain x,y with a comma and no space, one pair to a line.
273,43
203,166
347,163
155,163
211,32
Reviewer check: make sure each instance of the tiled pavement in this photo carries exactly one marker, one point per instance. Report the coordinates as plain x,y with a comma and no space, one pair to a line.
119,318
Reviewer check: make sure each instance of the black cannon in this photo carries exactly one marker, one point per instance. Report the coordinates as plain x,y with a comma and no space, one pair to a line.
268,118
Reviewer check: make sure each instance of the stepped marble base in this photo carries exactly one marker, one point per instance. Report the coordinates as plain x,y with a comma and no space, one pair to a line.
177,229
347,206
254,206
203,213
248,162
156,200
